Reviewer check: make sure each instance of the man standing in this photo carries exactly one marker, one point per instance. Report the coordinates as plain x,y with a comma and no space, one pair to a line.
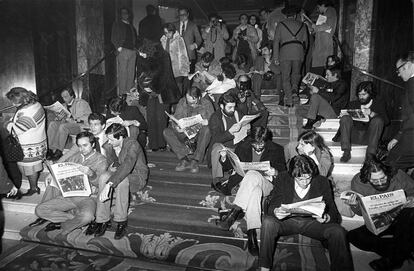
359,132
192,38
289,47
59,131
375,178
215,37
124,38
128,166
190,152
302,182
401,147
151,26
57,210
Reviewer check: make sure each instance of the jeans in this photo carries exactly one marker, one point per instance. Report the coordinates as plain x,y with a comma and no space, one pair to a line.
333,235
58,133
126,70
291,74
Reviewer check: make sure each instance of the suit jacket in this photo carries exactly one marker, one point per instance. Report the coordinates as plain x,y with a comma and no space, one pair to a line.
284,189
216,125
290,51
132,163
191,35
118,34
5,183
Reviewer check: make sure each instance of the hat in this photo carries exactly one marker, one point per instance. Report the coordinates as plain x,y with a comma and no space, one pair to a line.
290,10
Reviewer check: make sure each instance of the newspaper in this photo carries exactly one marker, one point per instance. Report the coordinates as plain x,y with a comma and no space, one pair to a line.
315,206
245,128
322,20
59,109
258,166
191,125
315,80
242,167
69,179
356,114
379,210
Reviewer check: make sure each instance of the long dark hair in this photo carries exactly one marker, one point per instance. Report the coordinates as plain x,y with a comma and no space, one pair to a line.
374,165
314,139
22,96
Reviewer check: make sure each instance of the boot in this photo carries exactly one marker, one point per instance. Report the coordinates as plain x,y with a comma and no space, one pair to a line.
227,221
194,168
183,165
92,227
346,156
101,228
221,187
38,222
56,156
120,230
52,226
309,124
252,245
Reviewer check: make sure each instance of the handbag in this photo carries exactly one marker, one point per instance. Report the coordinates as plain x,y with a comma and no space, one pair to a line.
13,151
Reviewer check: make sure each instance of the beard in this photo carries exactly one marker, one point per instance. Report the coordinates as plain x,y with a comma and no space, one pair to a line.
383,187
228,114
365,101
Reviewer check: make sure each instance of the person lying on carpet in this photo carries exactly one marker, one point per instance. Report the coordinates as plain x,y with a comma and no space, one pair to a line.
59,210
376,178
254,184
302,182
127,167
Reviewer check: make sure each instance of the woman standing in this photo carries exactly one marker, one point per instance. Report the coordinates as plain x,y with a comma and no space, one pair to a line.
244,40
155,76
28,124
173,43
254,21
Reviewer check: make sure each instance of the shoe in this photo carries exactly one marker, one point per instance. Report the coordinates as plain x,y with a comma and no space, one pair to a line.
92,227
221,187
228,220
49,154
309,124
52,227
31,192
39,221
101,228
183,165
252,244
56,156
385,264
18,196
120,230
346,156
194,166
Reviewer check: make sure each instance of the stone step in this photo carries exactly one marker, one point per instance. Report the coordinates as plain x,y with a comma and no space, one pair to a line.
269,99
327,134
275,109
328,124
357,150
282,120
14,222
270,92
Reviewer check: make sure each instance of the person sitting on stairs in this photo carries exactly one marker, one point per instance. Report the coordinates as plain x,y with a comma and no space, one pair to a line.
326,103
57,209
301,182
395,244
255,184
190,152
358,132
127,168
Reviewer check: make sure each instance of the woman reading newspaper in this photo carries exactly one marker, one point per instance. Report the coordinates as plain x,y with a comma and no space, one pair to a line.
302,182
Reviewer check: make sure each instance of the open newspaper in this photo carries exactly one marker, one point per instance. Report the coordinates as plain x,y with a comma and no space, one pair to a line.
242,167
191,125
59,109
69,179
356,114
245,127
379,210
315,80
315,206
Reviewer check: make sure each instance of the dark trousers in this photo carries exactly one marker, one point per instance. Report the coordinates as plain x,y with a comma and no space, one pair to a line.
319,106
402,155
367,133
261,120
291,74
183,84
176,141
330,234
192,65
397,247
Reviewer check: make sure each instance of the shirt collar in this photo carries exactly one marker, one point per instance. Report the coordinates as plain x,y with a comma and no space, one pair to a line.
84,158
366,106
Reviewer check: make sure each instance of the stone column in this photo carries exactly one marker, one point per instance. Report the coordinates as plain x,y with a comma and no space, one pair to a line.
363,43
89,26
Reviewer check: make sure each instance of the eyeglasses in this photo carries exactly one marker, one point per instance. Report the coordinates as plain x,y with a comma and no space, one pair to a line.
399,67
182,14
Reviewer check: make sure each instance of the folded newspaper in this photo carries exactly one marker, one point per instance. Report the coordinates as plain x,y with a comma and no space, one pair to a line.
355,114
379,210
59,109
245,127
315,206
191,125
242,167
69,179
315,80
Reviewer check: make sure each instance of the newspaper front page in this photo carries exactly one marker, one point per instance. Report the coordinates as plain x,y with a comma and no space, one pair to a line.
191,125
59,109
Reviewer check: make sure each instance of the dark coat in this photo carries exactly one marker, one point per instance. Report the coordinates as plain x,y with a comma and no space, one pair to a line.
285,45
216,125
407,109
150,28
284,190
378,106
5,183
339,96
118,34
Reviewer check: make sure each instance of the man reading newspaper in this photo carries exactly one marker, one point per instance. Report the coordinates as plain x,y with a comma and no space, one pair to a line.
56,208
190,145
303,182
395,244
261,161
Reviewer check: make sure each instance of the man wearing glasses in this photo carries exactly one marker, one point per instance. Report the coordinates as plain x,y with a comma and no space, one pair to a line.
302,182
189,31
401,147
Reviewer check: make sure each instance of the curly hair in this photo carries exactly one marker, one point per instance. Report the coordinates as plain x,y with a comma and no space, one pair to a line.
371,166
302,164
22,96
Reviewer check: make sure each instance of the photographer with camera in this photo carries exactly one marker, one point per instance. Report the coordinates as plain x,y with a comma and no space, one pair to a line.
244,40
215,36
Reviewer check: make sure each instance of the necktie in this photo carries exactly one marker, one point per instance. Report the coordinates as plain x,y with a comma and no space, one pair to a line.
182,28
97,145
167,46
